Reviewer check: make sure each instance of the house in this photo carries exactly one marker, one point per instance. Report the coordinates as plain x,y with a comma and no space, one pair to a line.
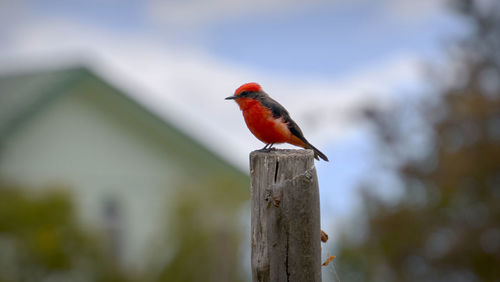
121,161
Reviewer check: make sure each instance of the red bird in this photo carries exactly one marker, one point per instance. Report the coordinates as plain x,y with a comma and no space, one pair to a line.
268,120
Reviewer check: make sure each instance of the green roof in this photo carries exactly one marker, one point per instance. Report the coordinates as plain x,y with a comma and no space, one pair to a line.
22,94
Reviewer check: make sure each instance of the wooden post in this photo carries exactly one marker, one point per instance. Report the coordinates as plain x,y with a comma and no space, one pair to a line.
285,224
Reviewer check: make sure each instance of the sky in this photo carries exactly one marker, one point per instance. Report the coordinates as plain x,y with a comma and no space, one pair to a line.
323,60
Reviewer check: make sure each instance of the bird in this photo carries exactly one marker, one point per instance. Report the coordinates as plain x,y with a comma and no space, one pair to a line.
268,120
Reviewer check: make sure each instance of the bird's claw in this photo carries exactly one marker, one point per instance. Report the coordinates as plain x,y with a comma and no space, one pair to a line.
268,149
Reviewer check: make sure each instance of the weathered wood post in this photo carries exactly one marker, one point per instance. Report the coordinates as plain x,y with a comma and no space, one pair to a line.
285,215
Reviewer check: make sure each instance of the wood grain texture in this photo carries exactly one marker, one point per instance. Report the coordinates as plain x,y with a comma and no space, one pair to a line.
285,215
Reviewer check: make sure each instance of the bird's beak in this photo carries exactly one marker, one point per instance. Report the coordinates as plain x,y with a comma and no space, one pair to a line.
231,98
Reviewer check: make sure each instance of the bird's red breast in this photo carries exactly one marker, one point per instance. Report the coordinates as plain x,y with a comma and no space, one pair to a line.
267,127
262,123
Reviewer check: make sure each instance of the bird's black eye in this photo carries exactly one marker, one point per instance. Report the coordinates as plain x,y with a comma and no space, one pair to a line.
244,93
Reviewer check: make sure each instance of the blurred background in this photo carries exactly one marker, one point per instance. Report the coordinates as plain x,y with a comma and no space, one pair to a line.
121,161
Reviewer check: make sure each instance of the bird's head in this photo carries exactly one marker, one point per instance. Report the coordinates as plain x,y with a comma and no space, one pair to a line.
247,90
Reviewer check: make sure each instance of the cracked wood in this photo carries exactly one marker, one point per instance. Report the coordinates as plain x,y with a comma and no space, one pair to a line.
285,236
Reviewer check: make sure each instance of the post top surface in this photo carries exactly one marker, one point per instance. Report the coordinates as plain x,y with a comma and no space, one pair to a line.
283,153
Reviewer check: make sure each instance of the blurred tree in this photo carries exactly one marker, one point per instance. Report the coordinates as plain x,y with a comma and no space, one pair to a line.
40,240
204,234
447,225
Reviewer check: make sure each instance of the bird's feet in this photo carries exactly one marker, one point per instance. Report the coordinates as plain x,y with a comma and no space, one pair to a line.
268,148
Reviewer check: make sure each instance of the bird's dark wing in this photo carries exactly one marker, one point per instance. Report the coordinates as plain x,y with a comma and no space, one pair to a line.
279,111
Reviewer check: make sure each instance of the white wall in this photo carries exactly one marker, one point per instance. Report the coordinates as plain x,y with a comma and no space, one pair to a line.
88,145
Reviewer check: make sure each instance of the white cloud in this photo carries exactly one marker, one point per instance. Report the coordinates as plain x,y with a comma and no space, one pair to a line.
196,12
188,86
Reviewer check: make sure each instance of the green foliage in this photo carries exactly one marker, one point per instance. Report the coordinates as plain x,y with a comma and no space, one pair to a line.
204,234
447,226
41,240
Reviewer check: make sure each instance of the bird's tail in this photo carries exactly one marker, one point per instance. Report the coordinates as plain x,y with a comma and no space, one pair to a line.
317,153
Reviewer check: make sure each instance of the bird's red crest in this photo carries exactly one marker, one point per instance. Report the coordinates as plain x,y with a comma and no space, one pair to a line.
250,87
